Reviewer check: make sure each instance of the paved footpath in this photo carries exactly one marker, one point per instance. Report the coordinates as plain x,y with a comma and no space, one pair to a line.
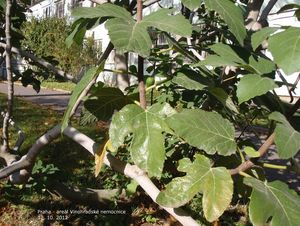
57,100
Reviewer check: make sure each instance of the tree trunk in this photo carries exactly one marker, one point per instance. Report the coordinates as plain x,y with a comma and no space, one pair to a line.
121,64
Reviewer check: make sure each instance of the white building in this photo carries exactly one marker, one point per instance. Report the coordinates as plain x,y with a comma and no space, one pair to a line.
60,8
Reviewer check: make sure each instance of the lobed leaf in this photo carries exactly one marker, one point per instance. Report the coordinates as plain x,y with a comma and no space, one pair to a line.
147,127
164,21
274,200
128,35
215,184
287,139
103,10
285,48
191,80
103,101
204,130
226,56
232,15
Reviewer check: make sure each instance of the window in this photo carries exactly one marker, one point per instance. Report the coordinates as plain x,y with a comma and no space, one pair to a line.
59,9
76,3
47,11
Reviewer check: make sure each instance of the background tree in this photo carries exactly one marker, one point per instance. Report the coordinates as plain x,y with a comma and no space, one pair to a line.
47,39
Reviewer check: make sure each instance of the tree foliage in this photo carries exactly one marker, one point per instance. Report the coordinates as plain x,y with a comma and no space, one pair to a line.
46,38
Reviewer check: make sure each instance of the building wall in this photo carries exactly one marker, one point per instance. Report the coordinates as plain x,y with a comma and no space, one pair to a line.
49,8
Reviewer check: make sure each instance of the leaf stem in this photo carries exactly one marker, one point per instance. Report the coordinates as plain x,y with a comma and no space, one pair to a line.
241,155
244,174
272,166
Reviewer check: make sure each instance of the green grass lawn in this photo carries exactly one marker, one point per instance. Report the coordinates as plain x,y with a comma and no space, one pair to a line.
68,86
75,165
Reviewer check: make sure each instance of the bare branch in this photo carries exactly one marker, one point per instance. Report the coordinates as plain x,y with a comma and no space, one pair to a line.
91,146
21,134
264,15
131,171
41,62
10,85
196,54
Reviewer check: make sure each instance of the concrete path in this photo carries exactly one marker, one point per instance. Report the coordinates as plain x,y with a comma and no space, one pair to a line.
57,100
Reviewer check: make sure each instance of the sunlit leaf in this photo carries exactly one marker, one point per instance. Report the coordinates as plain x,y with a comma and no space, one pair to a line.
253,85
103,10
164,21
274,200
204,130
259,36
232,15
285,48
147,127
287,139
215,184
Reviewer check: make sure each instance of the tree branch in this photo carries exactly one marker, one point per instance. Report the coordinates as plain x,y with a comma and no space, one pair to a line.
91,146
41,62
21,134
265,147
10,85
264,15
140,73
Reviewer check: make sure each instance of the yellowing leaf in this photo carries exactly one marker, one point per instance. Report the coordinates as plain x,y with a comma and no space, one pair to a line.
99,156
109,147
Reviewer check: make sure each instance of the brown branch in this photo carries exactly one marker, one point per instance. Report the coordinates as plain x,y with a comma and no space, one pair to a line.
265,147
142,92
41,62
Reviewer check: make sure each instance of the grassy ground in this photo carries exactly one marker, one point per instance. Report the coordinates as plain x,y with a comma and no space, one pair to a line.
66,162
68,86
